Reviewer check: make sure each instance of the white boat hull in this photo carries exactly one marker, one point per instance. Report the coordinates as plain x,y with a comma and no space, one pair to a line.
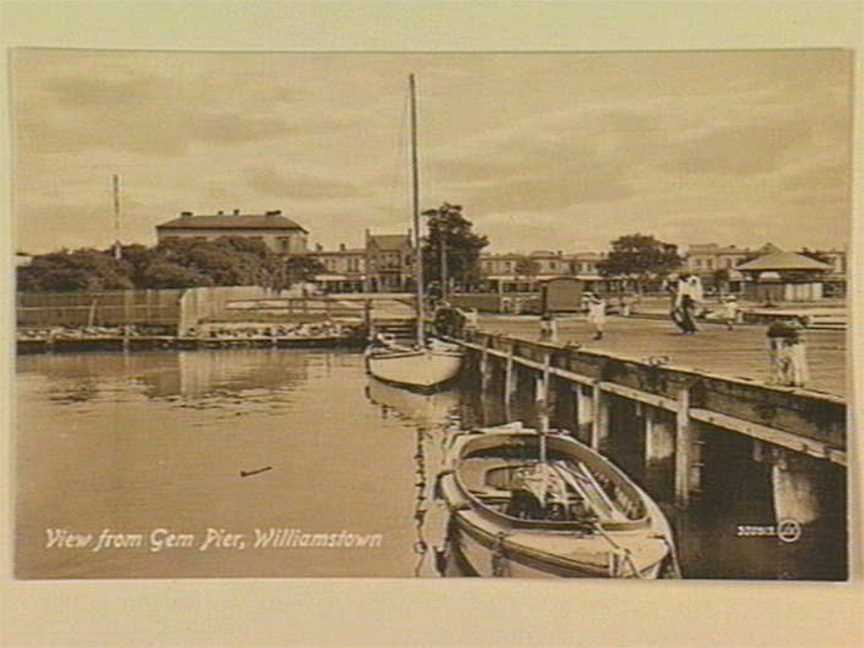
630,540
421,369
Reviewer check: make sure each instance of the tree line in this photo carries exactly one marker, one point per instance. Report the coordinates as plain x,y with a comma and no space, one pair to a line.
173,263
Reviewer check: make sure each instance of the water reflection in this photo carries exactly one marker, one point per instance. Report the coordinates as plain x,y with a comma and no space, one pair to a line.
138,441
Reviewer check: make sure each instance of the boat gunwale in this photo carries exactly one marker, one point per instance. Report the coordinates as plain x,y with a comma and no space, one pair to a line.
531,557
461,447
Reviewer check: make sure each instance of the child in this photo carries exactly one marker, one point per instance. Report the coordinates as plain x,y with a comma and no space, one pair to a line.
730,311
548,328
597,315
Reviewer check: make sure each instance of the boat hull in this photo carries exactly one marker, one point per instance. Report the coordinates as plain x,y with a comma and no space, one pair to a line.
423,370
491,544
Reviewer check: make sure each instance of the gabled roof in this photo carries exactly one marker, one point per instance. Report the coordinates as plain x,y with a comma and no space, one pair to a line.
233,221
390,241
782,262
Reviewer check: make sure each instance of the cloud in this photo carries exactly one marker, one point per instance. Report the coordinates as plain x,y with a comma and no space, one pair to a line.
297,185
740,149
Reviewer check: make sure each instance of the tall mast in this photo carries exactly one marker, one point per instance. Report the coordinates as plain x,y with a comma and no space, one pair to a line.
418,252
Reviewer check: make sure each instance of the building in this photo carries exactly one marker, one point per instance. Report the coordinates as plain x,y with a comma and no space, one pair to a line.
784,276
585,263
345,269
389,262
707,258
282,235
505,272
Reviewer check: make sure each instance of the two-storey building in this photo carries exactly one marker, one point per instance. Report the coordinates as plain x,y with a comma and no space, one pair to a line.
345,268
282,235
389,262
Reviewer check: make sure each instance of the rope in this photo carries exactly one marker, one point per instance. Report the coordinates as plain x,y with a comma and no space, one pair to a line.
619,550
499,558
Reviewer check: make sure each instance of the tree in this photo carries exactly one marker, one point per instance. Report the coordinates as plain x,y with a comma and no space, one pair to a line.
641,257
526,267
167,274
451,238
83,269
300,268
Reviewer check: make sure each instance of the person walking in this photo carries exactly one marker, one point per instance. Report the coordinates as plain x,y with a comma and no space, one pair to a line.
730,311
687,296
548,327
597,315
787,354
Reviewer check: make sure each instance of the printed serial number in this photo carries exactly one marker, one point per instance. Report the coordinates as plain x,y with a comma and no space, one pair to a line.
786,530
746,530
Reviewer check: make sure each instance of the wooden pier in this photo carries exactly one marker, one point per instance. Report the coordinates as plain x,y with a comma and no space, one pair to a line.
669,412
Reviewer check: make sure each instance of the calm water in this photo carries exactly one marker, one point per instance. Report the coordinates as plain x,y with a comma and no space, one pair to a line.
141,451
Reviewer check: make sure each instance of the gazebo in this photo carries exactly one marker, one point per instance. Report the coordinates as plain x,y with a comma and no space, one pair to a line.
784,276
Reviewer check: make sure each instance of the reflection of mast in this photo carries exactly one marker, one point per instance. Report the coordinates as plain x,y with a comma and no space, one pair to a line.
421,547
117,249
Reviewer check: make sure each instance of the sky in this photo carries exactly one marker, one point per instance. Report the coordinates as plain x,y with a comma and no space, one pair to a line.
563,151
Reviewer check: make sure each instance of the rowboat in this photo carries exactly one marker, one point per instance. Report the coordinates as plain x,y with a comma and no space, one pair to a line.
571,514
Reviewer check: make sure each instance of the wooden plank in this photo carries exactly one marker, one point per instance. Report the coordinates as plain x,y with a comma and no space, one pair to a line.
648,398
770,435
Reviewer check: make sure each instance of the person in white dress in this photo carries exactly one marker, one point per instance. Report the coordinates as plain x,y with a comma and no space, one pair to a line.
597,315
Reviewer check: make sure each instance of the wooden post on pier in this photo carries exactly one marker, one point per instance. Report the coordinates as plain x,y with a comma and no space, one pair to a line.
584,412
659,450
683,449
485,369
794,484
600,419
510,379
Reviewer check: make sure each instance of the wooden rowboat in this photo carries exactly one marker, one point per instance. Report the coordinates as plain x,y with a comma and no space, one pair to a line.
573,515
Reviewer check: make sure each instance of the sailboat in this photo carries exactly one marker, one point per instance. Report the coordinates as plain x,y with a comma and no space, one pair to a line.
429,364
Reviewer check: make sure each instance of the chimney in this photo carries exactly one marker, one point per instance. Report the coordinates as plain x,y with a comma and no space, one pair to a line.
186,214
341,247
220,213
236,212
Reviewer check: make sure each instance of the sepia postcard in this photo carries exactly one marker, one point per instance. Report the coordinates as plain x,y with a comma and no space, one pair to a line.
433,315
734,525
500,315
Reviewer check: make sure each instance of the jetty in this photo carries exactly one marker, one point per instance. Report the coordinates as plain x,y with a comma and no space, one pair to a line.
680,421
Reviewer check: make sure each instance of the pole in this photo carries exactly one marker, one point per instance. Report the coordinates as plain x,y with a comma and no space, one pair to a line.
444,279
418,252
117,252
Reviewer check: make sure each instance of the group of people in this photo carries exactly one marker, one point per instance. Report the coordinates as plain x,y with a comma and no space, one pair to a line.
596,318
688,297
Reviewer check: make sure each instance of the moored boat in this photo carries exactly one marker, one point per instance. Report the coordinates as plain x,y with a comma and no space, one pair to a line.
430,363
423,369
572,514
